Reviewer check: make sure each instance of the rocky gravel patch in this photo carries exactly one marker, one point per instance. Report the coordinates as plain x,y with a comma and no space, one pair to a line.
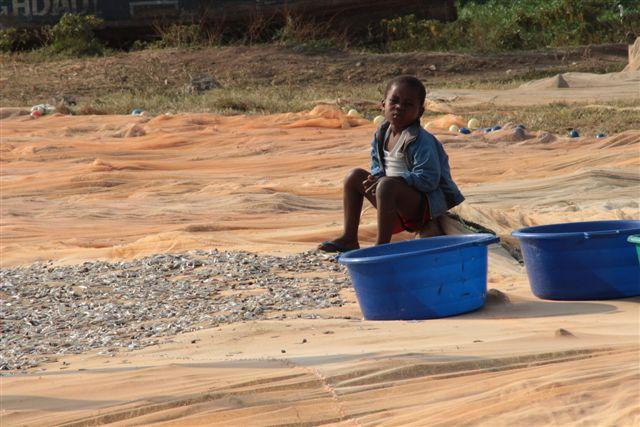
50,310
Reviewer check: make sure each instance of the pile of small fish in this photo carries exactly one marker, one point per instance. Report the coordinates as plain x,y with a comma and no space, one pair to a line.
50,310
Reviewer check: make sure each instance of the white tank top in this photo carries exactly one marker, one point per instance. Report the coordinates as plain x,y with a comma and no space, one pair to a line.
394,164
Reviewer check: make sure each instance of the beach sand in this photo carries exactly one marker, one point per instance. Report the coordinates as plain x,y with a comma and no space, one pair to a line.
120,187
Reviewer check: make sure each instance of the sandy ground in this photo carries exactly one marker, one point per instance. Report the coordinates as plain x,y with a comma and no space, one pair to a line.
76,188
566,87
168,71
574,87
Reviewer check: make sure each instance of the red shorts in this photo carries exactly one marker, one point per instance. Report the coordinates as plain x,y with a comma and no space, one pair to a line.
413,225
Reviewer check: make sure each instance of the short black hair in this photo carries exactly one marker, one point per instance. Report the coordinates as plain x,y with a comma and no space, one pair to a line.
410,81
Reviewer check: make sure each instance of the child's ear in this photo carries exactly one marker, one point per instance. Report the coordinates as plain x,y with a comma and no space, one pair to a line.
382,104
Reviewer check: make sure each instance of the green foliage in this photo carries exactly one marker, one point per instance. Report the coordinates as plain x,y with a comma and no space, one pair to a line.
482,25
187,36
184,36
14,39
74,35
138,45
520,24
408,33
308,35
289,31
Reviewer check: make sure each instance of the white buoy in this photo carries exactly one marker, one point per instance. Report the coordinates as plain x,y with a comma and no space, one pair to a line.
377,120
353,113
454,128
473,123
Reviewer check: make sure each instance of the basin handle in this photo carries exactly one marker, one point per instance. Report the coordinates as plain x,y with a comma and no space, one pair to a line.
605,233
487,242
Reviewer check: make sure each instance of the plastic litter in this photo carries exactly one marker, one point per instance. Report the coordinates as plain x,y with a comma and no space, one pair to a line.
465,131
473,123
600,135
496,127
377,120
41,110
635,240
202,83
454,128
574,133
445,121
136,112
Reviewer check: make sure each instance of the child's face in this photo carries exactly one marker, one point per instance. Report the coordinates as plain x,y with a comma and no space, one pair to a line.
402,106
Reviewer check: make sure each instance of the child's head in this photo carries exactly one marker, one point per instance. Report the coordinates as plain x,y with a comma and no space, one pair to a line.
404,101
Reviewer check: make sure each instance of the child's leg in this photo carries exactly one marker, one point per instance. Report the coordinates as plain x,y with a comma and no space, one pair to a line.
352,197
352,200
395,197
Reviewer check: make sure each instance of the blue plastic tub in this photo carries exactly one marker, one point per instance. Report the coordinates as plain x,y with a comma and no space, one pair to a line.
581,260
420,279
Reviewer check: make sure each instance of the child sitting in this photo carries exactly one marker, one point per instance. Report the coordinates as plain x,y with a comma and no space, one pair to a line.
410,180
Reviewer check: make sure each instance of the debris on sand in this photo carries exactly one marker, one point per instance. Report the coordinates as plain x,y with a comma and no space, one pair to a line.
203,83
495,296
64,99
563,333
135,131
556,82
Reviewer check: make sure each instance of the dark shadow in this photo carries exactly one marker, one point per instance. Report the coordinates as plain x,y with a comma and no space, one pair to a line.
280,363
25,403
265,363
74,372
538,308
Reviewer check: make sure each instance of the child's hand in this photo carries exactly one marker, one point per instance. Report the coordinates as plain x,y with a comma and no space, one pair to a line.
370,185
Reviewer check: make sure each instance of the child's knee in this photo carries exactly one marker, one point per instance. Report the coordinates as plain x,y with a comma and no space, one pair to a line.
356,176
387,188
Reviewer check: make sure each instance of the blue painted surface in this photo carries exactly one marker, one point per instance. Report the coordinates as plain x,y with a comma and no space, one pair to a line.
581,260
420,279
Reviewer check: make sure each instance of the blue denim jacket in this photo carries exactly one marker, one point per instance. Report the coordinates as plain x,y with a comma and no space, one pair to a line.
427,164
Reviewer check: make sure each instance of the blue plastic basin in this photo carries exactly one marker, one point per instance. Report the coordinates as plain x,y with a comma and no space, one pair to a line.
581,260
420,279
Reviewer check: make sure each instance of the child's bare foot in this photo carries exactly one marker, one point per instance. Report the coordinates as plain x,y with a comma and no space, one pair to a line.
338,245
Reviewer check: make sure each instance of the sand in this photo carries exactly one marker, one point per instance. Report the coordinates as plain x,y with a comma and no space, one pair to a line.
119,187
567,87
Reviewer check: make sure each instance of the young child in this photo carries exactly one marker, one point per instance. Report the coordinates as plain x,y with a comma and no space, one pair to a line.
410,181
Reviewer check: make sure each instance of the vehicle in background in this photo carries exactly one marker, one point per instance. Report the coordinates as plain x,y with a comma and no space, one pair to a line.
133,18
